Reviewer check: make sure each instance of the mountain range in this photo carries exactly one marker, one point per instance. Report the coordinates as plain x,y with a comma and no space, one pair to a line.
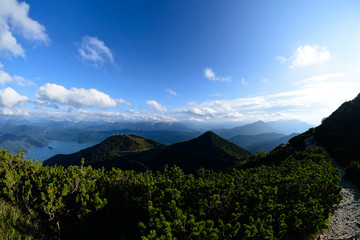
16,136
139,153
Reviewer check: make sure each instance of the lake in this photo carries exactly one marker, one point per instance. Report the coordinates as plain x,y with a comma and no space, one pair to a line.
57,147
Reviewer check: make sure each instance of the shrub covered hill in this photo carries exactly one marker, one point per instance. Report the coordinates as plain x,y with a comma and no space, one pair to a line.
138,153
123,151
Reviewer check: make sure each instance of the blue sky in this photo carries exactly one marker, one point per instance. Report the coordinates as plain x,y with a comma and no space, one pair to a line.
203,61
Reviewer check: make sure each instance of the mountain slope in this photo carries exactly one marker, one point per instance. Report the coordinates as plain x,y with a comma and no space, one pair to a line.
207,151
15,143
268,145
22,137
340,132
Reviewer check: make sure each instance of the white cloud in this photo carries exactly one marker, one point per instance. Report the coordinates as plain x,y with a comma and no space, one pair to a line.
10,98
122,101
95,51
14,19
209,74
243,82
171,92
18,80
319,78
309,55
76,97
156,105
196,119
5,78
12,111
265,80
281,59
1,65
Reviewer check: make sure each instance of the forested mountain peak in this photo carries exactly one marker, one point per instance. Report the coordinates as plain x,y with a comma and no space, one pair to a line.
214,145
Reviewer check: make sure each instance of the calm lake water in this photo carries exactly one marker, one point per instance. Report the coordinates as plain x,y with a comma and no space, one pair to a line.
57,147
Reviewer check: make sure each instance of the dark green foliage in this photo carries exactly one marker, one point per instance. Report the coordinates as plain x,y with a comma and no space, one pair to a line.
14,225
352,173
50,195
288,200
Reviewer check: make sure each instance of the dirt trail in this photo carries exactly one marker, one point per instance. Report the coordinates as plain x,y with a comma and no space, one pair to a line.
345,223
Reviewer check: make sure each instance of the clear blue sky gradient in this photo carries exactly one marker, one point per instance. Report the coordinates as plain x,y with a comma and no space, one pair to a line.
161,50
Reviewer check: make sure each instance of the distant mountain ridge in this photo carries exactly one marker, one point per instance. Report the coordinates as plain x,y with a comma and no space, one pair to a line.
246,140
270,144
255,128
290,126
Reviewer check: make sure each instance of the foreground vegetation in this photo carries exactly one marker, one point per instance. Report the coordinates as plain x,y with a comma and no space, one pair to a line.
288,196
